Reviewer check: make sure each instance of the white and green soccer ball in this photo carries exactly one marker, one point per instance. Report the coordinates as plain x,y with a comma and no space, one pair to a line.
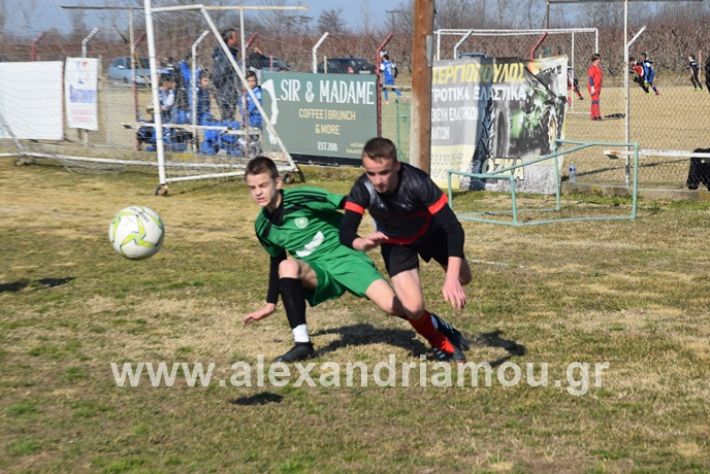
136,232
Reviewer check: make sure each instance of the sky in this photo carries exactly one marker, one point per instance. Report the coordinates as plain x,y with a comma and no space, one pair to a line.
41,15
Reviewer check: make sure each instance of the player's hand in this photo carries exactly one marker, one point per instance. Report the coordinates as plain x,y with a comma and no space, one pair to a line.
453,293
259,314
370,241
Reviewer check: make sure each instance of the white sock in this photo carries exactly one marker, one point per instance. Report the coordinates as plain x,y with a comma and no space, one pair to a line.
300,333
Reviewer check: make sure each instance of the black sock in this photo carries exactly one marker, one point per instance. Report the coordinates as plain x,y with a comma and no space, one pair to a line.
294,301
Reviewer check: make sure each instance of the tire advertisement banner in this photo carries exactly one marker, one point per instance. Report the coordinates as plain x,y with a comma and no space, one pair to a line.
324,115
492,113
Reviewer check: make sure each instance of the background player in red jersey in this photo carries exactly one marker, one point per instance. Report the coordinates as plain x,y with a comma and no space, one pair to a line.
594,84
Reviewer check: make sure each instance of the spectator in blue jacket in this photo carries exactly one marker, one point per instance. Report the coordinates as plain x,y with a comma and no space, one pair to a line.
252,117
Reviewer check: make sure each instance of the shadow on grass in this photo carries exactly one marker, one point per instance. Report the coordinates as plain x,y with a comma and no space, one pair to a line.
15,286
261,398
493,339
364,334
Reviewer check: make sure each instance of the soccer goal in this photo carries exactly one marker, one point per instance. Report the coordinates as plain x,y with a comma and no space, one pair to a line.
510,207
90,99
244,129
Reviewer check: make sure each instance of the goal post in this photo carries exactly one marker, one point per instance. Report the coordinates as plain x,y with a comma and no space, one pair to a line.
541,209
245,130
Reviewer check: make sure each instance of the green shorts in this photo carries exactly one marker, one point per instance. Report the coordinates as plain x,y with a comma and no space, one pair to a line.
341,270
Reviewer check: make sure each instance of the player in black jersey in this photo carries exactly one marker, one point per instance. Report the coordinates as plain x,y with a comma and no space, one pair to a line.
694,72
413,219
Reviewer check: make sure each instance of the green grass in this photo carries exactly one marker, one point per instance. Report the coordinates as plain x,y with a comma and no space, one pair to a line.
632,294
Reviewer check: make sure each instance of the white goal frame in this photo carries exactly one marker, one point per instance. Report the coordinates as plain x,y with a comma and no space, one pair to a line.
238,170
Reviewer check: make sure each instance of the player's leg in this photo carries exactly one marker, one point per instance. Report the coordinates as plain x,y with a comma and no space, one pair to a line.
436,247
294,277
696,80
596,109
381,293
357,273
403,267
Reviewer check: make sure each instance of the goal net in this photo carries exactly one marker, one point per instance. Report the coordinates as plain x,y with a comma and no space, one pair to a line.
88,87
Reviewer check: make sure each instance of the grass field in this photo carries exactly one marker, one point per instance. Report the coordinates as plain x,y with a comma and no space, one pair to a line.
635,295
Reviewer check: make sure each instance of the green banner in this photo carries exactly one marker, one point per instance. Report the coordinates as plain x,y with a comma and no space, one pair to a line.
327,115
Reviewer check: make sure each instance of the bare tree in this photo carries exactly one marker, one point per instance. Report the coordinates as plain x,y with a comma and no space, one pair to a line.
78,21
456,14
331,21
365,17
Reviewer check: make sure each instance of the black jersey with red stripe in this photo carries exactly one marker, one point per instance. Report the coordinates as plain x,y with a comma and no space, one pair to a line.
404,215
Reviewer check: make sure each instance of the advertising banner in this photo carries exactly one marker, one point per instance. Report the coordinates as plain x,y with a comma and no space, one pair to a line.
80,92
325,115
492,113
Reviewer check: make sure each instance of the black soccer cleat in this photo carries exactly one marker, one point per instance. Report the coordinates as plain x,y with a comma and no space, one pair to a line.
451,333
300,351
441,355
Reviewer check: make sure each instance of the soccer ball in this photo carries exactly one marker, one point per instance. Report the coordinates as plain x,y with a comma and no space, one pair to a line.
136,232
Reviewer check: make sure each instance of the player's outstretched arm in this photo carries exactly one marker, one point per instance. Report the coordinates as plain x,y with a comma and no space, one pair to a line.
272,294
370,241
452,290
260,313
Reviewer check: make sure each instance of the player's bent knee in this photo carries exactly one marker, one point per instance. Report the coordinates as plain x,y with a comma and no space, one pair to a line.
288,268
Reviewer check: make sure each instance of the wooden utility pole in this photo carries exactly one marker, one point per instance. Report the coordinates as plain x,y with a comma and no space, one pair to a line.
422,57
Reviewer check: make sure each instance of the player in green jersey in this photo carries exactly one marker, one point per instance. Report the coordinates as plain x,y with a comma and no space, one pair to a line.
305,223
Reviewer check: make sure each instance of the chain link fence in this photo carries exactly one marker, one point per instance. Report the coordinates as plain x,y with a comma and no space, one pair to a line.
676,120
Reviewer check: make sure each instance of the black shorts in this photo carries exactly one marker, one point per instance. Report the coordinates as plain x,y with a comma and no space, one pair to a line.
400,258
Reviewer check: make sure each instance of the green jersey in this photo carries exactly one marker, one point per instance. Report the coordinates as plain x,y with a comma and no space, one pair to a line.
306,224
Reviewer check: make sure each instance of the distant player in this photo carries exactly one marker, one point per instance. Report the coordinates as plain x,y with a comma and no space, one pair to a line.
694,72
413,219
595,76
304,223
389,72
649,73
636,69
573,83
